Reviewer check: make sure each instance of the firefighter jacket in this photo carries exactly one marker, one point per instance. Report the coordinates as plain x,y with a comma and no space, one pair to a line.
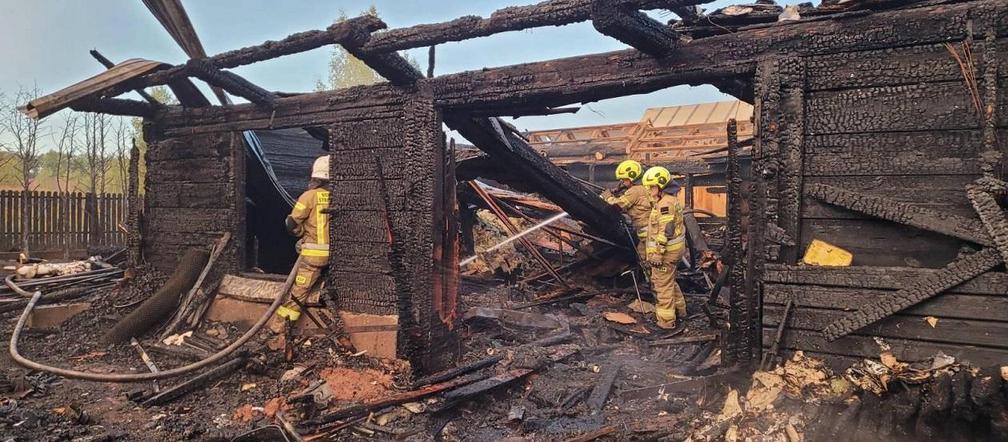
312,222
666,231
636,202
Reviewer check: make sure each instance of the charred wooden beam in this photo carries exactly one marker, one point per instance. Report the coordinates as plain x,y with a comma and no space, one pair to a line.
600,76
108,65
390,65
231,82
515,18
957,272
628,25
904,213
553,182
116,106
293,44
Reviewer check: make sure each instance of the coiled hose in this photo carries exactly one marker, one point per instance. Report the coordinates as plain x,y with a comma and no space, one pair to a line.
139,377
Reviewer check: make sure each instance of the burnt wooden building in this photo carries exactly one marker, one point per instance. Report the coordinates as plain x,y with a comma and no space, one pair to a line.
876,129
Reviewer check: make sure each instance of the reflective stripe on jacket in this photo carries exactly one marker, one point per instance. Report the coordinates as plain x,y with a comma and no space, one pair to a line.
313,222
666,231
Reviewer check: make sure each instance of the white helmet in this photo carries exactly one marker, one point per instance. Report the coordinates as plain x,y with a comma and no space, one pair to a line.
320,169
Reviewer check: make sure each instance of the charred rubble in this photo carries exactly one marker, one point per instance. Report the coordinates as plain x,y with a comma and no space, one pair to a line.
878,127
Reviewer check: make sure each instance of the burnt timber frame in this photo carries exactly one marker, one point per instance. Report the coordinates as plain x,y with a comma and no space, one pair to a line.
763,63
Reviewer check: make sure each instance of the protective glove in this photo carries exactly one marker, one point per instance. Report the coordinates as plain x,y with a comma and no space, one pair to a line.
607,194
292,226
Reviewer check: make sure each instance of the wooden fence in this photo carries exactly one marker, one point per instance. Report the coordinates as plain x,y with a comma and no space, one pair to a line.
59,221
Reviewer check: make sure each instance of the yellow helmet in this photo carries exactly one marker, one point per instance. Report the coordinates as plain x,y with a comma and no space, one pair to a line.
628,170
657,176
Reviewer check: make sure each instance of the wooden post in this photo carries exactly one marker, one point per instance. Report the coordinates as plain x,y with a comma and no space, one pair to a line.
689,191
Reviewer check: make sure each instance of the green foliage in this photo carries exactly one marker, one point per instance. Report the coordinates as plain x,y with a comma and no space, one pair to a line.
345,70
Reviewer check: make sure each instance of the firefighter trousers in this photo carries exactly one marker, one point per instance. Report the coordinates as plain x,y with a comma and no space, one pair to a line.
670,303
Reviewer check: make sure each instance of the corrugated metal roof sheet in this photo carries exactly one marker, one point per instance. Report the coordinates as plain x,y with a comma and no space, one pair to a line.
700,113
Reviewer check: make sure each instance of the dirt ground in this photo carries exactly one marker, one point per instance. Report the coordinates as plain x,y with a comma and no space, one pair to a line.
658,392
550,402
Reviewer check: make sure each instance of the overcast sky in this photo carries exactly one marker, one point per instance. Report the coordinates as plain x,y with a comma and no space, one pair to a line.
47,42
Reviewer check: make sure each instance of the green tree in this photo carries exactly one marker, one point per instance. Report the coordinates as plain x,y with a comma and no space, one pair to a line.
345,70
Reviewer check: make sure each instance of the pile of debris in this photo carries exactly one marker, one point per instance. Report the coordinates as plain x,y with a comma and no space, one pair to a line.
886,399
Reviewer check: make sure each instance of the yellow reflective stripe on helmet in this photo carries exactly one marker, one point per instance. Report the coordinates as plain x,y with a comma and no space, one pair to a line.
315,253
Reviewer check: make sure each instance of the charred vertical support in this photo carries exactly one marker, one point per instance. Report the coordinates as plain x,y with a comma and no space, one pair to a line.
231,82
763,206
792,131
736,299
133,208
431,54
628,25
688,188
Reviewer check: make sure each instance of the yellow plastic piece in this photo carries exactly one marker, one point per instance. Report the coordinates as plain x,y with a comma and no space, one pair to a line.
821,253
288,313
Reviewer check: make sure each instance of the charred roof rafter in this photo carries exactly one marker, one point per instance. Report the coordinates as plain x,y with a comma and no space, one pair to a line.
621,20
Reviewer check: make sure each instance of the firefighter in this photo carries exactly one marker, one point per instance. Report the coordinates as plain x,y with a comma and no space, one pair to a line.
634,199
310,222
666,242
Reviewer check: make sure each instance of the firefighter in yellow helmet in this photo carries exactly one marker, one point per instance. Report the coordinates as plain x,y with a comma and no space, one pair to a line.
665,245
634,200
309,221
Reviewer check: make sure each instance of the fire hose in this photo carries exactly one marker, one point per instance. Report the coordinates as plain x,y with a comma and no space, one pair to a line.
118,377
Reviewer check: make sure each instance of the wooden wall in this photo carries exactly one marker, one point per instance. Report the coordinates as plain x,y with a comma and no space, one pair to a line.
383,171
194,194
897,123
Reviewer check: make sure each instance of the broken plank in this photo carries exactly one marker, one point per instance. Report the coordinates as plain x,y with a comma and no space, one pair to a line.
197,382
955,273
458,371
599,394
488,384
685,340
396,399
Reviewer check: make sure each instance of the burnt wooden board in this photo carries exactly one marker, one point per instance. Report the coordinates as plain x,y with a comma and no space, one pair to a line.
882,243
895,66
955,304
921,152
944,193
903,349
908,326
933,106
893,278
